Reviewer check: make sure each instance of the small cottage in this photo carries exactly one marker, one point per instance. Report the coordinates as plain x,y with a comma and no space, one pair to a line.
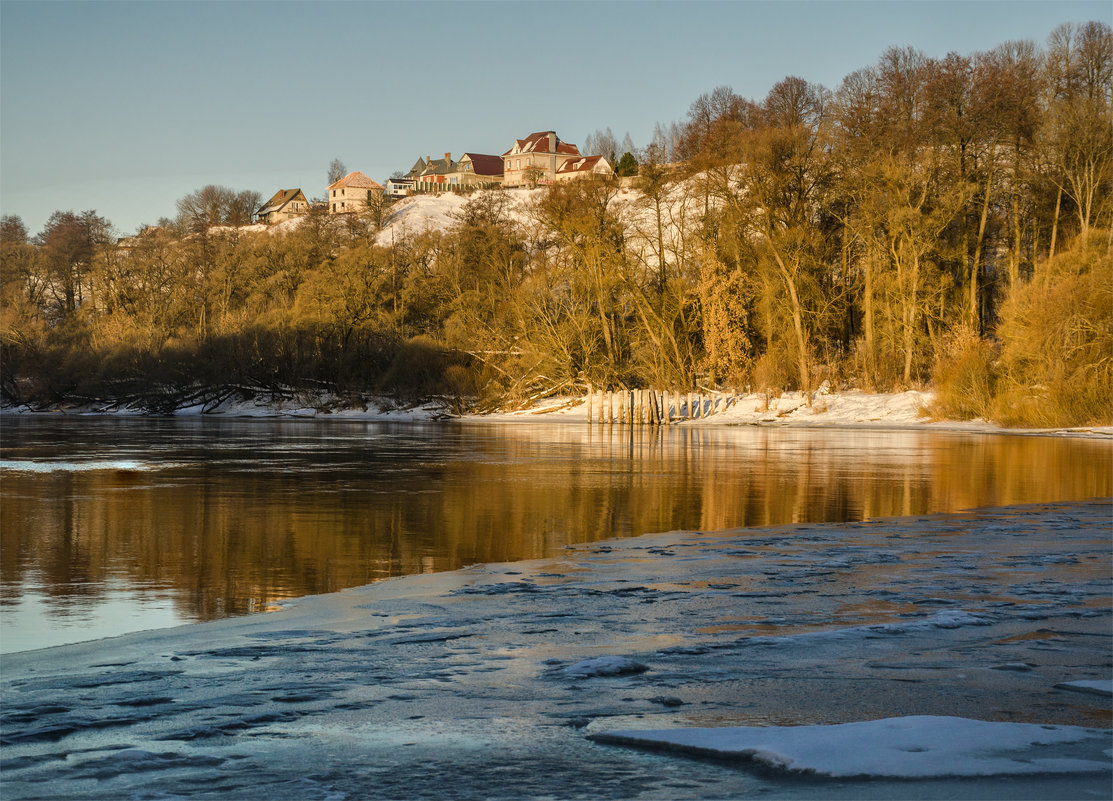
285,205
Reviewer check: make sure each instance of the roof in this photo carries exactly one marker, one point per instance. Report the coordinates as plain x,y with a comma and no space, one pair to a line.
483,164
439,167
586,164
280,199
539,143
356,180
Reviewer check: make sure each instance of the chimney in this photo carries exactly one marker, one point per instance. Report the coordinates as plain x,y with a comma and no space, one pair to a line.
552,141
447,159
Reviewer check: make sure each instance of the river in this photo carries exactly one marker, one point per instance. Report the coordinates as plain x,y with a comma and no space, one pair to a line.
112,525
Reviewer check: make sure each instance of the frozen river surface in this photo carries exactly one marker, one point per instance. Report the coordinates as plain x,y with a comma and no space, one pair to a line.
509,680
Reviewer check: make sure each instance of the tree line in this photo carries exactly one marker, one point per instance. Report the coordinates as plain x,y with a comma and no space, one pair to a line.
940,222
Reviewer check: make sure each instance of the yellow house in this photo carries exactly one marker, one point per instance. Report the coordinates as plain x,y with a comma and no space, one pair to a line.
536,159
476,169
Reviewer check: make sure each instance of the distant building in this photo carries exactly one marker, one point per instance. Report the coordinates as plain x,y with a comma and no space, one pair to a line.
351,193
286,204
399,187
588,166
431,175
477,169
536,159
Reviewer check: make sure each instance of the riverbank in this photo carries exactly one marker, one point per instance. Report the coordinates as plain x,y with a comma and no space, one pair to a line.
492,681
847,409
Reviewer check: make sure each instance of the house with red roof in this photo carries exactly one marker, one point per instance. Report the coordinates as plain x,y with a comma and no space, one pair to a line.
351,193
536,159
588,166
286,204
477,169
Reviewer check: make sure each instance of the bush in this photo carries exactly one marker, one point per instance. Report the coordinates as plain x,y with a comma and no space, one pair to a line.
1057,342
963,376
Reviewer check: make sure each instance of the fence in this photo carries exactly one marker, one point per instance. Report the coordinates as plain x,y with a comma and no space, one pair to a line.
652,407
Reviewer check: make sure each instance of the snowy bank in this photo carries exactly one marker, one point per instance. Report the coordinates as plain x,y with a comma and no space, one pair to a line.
852,409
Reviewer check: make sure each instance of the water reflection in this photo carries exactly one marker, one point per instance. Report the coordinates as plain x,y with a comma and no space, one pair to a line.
223,517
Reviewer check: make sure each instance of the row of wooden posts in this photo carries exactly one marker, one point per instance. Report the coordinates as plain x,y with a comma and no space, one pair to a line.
651,407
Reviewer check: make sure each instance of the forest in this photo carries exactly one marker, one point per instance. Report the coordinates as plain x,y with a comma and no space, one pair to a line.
941,223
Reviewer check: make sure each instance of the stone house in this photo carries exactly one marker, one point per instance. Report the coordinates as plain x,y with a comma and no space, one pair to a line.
351,193
285,205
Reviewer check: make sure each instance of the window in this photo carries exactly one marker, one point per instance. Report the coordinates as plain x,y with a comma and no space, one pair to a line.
518,164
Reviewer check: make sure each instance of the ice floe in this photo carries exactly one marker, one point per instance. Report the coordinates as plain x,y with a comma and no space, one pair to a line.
1092,686
916,747
603,666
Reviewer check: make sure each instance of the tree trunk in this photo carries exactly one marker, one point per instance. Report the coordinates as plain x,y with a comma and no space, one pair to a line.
797,325
1055,223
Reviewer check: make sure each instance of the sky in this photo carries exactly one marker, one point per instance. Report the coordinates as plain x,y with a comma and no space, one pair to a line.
124,107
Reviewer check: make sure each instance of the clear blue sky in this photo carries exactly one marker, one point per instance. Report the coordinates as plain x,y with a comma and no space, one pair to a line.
123,107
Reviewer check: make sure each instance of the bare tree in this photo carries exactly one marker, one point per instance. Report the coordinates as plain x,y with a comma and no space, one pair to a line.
336,171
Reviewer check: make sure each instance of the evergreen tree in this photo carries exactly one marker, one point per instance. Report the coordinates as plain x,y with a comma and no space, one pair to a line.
627,165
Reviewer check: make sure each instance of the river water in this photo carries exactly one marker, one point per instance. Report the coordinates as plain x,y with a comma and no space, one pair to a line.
111,525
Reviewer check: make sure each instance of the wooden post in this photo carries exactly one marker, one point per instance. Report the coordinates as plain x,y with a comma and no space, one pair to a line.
654,414
590,399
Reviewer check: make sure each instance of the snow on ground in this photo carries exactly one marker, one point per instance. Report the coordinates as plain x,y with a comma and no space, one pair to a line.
842,409
419,213
487,682
915,747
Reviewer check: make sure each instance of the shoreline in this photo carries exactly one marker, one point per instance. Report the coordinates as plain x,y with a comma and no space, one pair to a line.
852,410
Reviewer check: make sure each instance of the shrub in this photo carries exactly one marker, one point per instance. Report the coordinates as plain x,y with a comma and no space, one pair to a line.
963,376
1057,342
